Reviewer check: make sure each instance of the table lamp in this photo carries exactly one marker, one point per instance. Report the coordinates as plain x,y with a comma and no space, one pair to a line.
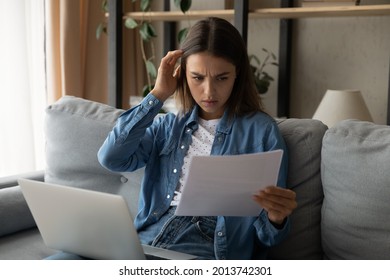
337,105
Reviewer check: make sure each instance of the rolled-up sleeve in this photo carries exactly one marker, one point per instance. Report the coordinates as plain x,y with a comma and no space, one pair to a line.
128,144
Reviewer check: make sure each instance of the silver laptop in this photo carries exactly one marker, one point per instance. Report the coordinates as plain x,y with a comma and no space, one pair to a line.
88,223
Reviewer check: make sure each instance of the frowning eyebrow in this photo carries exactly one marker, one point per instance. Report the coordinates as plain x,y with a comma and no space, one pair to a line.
201,75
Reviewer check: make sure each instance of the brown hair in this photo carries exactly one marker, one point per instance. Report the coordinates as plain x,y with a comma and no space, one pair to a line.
221,39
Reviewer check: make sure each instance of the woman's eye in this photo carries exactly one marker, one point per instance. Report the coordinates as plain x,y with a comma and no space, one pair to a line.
197,78
222,78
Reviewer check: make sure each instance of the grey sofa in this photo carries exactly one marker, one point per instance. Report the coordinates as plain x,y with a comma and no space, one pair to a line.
340,176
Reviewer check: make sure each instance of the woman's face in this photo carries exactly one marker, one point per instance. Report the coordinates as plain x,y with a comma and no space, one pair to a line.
210,80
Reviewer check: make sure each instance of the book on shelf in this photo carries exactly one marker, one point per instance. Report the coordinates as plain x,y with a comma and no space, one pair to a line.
328,3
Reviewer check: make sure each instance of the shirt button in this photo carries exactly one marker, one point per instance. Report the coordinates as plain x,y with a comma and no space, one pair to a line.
182,147
124,179
220,233
150,102
188,130
175,170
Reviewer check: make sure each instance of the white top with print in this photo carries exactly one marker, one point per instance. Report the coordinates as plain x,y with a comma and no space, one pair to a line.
202,141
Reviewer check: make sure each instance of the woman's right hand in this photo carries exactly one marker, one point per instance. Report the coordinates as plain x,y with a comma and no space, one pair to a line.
166,82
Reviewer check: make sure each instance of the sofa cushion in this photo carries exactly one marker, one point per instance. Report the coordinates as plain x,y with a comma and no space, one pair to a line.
75,129
356,182
14,212
303,139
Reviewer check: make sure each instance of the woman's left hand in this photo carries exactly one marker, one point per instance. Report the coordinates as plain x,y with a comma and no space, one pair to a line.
277,201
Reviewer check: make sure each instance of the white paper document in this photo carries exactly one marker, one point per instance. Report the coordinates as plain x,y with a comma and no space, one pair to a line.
224,185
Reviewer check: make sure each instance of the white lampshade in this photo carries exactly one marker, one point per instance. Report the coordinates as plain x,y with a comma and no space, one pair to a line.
337,105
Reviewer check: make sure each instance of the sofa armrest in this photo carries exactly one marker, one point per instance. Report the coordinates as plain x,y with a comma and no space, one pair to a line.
11,181
14,212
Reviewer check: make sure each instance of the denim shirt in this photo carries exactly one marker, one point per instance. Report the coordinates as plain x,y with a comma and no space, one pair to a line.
140,139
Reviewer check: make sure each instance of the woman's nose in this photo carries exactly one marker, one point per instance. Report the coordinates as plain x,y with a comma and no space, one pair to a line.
209,87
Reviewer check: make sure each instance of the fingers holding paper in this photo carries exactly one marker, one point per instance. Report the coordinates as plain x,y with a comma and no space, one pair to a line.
278,202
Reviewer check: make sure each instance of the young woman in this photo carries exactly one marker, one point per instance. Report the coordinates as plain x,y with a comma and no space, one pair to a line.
220,114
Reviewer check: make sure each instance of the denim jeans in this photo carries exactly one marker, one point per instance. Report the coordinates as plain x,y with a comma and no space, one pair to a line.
191,235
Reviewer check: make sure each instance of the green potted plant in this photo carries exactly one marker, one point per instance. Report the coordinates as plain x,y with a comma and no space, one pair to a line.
262,78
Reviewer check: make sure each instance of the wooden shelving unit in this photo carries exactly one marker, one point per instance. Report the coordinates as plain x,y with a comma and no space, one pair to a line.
275,13
240,14
311,12
178,15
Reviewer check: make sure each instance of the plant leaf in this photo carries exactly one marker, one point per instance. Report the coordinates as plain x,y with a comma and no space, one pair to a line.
131,23
144,33
145,5
105,6
147,31
181,36
151,69
262,86
151,30
99,30
255,58
254,69
266,77
184,5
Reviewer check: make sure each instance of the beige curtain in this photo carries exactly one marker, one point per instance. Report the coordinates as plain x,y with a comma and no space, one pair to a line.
76,62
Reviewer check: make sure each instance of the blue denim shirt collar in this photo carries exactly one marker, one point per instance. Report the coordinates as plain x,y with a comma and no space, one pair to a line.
224,126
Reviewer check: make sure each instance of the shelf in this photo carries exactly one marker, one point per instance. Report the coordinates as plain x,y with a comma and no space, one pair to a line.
276,13
335,11
178,15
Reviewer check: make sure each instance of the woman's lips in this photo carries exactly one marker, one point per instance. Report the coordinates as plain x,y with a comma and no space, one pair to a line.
209,103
